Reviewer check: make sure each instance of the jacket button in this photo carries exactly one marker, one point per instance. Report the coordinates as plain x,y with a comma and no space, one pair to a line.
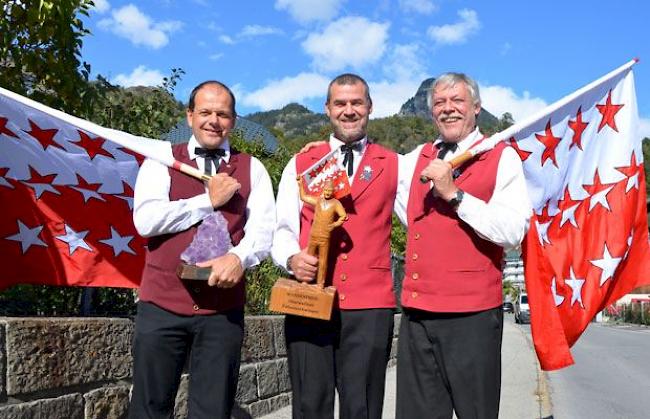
342,297
416,236
195,307
415,275
344,277
344,256
414,294
197,290
415,256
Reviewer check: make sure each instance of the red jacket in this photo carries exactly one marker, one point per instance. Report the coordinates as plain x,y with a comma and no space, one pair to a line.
160,284
449,268
359,258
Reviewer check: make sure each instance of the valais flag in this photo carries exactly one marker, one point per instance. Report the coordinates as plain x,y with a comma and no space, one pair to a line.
66,192
325,169
588,240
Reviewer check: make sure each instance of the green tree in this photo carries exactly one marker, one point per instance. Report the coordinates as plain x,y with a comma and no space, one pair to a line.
40,52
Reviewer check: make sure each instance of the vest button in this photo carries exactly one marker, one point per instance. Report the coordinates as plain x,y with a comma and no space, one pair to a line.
342,297
416,236
415,256
344,256
415,275
195,307
344,277
414,294
197,290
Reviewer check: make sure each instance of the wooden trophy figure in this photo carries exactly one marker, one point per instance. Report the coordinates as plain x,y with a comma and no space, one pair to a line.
312,300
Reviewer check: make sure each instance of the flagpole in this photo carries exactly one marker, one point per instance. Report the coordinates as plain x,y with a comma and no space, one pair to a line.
130,141
491,142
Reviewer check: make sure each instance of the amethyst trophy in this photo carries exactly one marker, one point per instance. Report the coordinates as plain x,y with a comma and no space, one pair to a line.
210,241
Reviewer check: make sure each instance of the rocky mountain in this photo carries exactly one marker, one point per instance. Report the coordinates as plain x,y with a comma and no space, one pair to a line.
296,120
417,106
293,120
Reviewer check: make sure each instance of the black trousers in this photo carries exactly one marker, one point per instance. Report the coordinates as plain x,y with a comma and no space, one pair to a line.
449,362
349,353
161,344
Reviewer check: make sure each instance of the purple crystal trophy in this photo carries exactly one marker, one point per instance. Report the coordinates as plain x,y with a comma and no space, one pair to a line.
210,241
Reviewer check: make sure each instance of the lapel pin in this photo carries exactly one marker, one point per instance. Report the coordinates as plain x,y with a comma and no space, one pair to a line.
366,174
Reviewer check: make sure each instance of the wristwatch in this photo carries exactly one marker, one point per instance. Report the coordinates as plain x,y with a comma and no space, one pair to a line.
456,200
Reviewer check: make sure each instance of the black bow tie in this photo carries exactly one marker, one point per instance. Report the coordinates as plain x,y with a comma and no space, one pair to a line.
211,156
348,159
444,148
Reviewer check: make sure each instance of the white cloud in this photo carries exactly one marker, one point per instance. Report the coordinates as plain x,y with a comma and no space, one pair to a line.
331,49
257,30
226,39
305,11
130,23
404,62
644,127
424,7
140,76
499,99
101,6
278,93
456,33
216,56
388,97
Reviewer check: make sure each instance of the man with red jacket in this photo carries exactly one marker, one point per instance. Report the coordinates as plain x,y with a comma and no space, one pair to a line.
449,356
350,351
203,321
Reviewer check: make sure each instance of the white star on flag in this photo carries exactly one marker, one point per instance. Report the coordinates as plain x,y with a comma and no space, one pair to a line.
27,236
576,285
632,182
119,243
88,194
559,299
542,231
600,198
569,215
75,240
40,188
607,264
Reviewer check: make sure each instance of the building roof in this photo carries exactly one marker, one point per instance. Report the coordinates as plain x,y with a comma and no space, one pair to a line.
250,131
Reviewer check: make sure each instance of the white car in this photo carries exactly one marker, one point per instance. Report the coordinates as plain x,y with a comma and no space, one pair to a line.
522,310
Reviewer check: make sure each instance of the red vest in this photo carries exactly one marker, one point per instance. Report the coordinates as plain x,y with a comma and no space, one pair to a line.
449,268
359,263
159,284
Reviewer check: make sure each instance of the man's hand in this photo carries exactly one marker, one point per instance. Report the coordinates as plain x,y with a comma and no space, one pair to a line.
303,266
311,145
441,174
227,270
221,188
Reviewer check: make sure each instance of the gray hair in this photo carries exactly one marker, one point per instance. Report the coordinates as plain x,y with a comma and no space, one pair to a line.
450,79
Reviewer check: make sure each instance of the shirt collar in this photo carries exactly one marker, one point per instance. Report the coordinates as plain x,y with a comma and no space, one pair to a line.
193,143
465,143
335,143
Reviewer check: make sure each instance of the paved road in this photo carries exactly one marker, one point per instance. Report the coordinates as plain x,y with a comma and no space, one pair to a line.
523,396
611,376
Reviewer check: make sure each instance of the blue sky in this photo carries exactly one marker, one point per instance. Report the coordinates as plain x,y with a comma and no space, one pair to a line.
524,55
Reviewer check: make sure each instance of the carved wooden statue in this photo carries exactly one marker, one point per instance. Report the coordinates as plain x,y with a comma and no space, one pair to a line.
328,214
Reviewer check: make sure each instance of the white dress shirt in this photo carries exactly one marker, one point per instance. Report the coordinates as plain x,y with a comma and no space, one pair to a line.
289,205
502,220
154,214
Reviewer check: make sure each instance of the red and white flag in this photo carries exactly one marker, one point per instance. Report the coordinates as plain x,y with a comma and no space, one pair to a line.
66,192
588,241
326,169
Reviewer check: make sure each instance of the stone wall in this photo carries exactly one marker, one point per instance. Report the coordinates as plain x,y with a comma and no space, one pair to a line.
80,368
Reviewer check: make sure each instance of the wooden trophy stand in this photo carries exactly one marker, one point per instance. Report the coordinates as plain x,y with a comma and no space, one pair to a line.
312,300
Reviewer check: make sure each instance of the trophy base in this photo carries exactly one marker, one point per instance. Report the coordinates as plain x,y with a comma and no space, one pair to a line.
193,272
306,300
